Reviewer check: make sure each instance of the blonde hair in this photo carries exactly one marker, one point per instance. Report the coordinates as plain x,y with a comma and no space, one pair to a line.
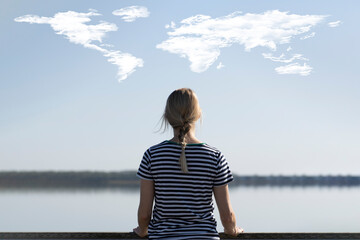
182,109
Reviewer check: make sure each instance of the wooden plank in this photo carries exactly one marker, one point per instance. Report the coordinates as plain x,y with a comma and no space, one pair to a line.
130,235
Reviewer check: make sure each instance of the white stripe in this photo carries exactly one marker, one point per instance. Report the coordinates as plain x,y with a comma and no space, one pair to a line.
182,200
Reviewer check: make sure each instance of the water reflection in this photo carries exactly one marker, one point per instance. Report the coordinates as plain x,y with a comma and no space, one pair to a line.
258,209
69,190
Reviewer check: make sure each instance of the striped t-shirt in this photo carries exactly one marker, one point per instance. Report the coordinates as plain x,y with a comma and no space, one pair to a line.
183,206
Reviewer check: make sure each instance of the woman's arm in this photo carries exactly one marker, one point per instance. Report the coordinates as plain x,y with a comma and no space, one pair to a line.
227,215
145,206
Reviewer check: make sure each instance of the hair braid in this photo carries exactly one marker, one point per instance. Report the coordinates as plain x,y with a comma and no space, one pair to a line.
182,133
182,110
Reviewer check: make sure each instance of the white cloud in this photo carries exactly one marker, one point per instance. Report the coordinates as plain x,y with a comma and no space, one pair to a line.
93,10
201,53
288,49
334,24
34,19
308,36
220,66
127,63
106,45
73,26
130,14
282,58
171,25
199,38
294,68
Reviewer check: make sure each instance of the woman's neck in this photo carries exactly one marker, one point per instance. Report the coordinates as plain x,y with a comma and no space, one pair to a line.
189,137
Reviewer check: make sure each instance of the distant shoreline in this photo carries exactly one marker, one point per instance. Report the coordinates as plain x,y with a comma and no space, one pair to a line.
129,180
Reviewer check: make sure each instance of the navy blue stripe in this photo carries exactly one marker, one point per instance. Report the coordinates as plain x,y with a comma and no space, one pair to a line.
183,201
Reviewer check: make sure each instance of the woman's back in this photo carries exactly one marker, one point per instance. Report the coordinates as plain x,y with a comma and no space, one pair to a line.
181,175
183,201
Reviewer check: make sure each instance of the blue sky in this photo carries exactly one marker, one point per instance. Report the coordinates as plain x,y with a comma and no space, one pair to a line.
84,83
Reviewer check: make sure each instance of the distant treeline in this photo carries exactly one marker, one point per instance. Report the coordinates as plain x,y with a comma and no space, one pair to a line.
128,179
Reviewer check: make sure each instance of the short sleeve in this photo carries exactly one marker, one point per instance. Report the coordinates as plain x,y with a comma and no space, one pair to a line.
223,173
144,168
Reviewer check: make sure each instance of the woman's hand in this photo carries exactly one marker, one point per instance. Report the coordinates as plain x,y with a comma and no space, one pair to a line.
234,232
140,232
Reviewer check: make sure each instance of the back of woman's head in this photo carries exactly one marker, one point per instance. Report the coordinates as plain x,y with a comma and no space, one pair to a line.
181,112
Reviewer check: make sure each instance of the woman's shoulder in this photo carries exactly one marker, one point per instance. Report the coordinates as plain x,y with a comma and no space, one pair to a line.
214,150
203,146
162,144
167,144
212,147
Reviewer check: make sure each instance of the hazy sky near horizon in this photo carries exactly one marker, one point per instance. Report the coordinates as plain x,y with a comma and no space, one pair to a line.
84,83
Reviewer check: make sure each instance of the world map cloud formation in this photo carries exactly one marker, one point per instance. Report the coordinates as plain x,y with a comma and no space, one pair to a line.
199,38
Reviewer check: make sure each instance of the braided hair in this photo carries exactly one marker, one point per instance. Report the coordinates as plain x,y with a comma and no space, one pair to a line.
181,111
182,132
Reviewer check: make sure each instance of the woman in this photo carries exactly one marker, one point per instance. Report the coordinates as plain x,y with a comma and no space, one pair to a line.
182,174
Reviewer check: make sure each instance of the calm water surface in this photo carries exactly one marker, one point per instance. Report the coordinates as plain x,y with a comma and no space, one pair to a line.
257,210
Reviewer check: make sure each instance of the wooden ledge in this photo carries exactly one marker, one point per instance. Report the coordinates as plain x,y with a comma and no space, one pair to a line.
130,235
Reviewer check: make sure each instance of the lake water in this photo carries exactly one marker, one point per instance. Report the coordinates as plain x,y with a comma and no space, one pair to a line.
262,209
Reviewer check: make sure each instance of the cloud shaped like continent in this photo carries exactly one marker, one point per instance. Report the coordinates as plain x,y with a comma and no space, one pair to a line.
294,68
73,26
201,37
130,14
